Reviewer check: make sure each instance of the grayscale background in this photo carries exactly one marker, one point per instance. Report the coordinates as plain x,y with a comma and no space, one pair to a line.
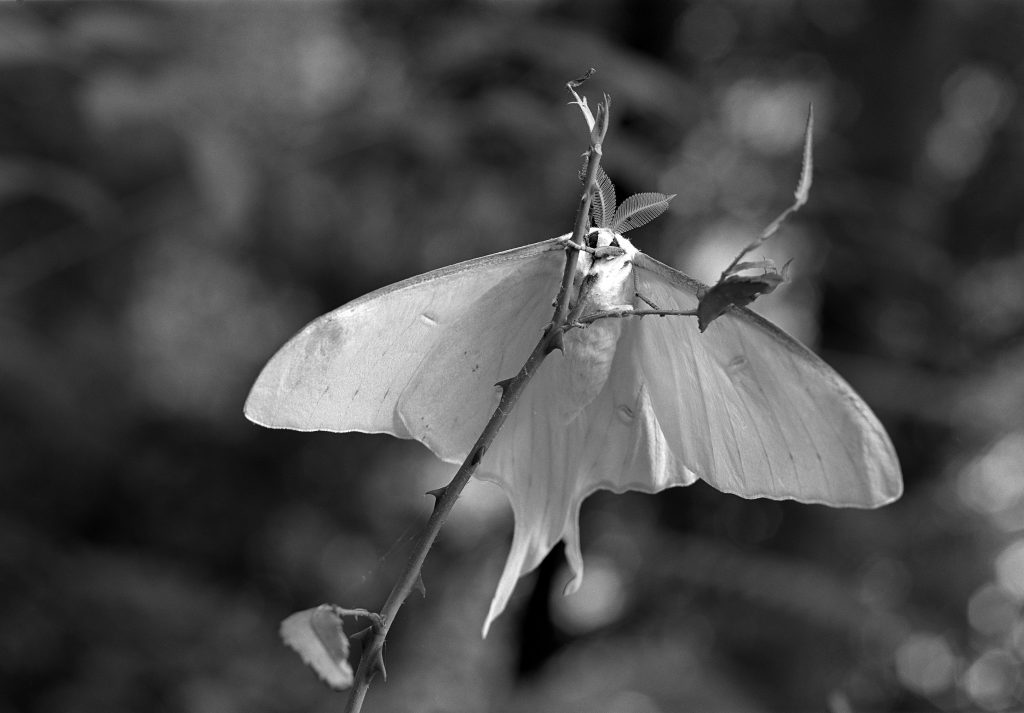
184,185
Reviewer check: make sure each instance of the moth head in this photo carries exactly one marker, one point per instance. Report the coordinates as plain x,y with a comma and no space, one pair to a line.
605,245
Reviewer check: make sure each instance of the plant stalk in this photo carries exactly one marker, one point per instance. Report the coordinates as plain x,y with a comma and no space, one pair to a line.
371,661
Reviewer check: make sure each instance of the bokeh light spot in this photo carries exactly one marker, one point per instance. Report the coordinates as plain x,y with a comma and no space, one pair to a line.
994,482
953,151
771,118
1010,570
991,611
991,680
925,663
975,97
975,102
1016,639
600,599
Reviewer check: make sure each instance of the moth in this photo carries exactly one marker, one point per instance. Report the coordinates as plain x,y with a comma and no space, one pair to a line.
630,403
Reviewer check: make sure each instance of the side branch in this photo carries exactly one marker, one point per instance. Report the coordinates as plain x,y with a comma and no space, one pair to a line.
588,319
800,196
371,660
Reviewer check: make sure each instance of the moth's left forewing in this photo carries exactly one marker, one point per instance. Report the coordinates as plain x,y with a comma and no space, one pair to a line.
754,412
417,359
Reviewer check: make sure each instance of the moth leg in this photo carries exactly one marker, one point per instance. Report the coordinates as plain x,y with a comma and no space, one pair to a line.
570,244
608,251
636,291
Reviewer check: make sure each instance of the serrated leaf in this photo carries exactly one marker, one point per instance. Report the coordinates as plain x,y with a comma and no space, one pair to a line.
317,636
733,292
738,291
640,209
602,206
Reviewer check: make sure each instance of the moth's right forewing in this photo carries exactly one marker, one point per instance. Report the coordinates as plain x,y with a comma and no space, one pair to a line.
347,370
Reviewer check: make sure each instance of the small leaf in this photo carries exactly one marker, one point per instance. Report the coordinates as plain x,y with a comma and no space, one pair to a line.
317,636
735,291
767,265
639,209
800,196
602,207
803,187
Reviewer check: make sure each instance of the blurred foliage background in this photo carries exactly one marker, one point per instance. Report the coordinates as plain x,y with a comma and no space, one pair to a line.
183,186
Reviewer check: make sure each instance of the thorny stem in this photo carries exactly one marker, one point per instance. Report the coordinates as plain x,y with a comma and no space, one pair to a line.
589,319
371,661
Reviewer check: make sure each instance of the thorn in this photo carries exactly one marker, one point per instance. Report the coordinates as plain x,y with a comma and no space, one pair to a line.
503,385
419,586
438,493
557,344
360,635
378,665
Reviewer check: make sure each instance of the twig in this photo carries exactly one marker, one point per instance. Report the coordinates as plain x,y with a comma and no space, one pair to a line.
589,319
371,660
803,190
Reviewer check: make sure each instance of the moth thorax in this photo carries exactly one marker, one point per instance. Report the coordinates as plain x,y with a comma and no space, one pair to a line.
589,351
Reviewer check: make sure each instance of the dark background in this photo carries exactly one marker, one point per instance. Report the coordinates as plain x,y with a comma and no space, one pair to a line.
183,186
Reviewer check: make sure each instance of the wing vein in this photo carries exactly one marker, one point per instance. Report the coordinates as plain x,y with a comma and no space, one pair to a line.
754,421
770,407
836,436
698,378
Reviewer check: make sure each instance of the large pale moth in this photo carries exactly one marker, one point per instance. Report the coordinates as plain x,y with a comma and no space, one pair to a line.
631,403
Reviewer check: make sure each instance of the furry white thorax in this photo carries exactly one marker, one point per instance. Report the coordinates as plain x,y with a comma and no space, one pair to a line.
591,350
